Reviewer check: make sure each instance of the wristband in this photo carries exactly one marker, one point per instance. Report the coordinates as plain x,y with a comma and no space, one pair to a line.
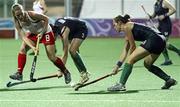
119,63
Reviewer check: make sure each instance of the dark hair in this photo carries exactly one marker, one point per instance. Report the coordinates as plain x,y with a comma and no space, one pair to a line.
123,19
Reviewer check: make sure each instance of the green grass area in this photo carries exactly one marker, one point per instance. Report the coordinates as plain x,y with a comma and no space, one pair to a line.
100,55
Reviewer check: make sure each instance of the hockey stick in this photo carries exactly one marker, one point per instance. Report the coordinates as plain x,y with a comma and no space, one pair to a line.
34,62
10,84
149,18
94,81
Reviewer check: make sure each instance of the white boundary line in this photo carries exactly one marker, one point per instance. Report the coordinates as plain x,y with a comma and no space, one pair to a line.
138,101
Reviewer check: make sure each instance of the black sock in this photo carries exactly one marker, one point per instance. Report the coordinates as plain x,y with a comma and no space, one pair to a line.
173,48
165,54
158,72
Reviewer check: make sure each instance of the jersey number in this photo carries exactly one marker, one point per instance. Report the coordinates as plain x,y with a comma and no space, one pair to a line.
47,37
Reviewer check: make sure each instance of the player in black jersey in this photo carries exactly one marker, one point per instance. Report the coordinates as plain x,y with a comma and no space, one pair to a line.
163,10
72,32
152,46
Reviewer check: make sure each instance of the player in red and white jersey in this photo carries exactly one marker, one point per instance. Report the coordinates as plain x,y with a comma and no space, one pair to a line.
31,25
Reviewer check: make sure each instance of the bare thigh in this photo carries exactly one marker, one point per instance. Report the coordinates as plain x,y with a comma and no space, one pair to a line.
150,59
138,54
24,48
75,44
50,51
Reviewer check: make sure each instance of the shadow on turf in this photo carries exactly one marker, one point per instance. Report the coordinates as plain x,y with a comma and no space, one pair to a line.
37,88
107,92
141,66
116,92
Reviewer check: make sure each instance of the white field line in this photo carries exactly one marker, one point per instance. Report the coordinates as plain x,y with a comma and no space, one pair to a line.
137,101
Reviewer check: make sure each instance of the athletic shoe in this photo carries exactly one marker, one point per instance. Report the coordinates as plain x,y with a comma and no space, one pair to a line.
168,62
117,87
16,76
169,83
67,77
84,77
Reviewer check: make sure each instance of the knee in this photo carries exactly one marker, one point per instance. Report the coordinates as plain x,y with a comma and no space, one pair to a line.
147,66
72,52
52,58
131,60
23,50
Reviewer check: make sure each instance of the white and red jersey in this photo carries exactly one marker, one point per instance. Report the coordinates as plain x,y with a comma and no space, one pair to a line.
34,26
37,7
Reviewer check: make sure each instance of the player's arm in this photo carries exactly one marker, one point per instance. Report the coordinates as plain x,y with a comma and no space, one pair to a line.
130,38
43,4
42,17
18,28
129,46
125,51
168,5
22,34
122,58
152,15
65,41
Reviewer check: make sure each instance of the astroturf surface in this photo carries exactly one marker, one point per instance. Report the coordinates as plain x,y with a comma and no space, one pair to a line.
99,55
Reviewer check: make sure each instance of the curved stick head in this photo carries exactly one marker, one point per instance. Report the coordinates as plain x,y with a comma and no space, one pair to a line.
76,89
8,84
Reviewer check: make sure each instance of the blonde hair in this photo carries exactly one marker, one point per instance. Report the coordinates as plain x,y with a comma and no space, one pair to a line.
13,7
13,13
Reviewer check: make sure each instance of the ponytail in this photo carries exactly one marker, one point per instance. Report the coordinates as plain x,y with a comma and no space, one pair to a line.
123,19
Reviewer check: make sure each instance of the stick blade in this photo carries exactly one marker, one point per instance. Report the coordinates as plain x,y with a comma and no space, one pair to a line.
96,80
8,84
76,89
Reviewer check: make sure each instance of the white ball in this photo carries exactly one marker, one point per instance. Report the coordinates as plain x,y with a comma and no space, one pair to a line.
72,84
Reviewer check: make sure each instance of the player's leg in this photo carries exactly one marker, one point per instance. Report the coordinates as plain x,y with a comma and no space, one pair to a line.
165,52
21,62
73,50
49,41
148,63
173,48
166,57
137,55
50,50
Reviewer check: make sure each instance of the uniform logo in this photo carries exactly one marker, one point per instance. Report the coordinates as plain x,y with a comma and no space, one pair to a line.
144,42
82,35
166,33
61,21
